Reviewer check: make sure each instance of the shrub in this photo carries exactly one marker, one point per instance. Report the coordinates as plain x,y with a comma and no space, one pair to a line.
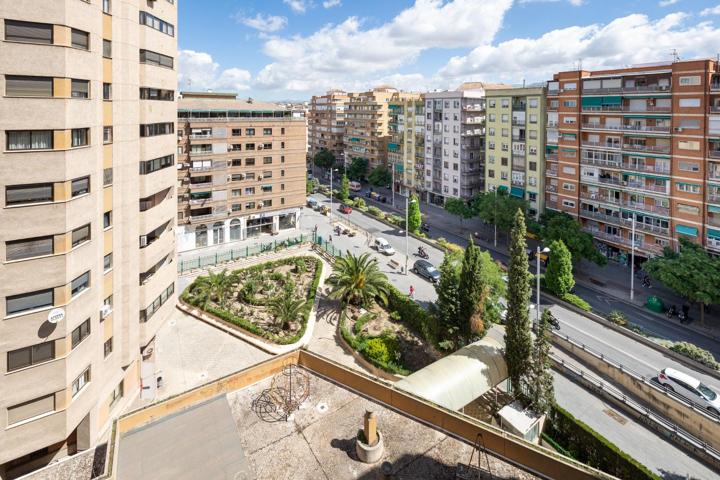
696,353
413,315
396,220
359,203
449,246
375,211
360,322
618,318
573,299
384,349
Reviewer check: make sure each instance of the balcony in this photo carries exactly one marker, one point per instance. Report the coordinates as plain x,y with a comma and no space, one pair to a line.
647,187
646,168
713,153
551,157
604,145
551,188
551,173
715,87
714,176
199,186
601,162
648,247
552,124
602,108
635,147
625,222
199,136
518,122
599,197
627,128
714,109
519,106
713,197
713,243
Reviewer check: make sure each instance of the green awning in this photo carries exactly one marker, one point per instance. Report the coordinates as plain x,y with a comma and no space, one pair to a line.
657,95
614,100
592,101
685,230
631,211
517,192
393,147
645,155
399,167
551,147
713,233
568,150
647,116
713,209
502,188
646,175
354,139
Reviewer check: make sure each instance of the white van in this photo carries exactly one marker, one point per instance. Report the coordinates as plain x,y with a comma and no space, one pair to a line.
384,247
355,186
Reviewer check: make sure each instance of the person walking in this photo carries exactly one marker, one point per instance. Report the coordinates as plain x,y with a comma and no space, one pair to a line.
412,292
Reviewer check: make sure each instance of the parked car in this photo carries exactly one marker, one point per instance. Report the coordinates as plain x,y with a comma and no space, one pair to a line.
312,203
346,209
324,209
355,186
384,247
426,270
690,388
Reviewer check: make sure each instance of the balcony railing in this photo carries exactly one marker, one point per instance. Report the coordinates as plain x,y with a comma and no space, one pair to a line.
713,243
714,87
713,197
625,222
551,157
714,109
714,176
551,173
628,128
610,146
601,162
646,168
646,187
195,186
638,89
195,153
551,188
518,122
647,148
602,108
714,153
198,136
599,197
648,247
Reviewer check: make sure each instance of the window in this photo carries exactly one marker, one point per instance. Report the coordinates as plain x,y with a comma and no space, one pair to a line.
267,146
569,170
24,194
689,124
80,284
80,39
30,140
22,86
80,333
157,303
24,357
689,209
533,103
250,132
689,102
81,235
107,135
29,248
249,205
570,103
267,174
249,190
267,131
504,103
80,186
688,81
266,188
532,166
80,89
150,166
688,188
569,187
107,350
107,176
570,86
117,393
29,301
237,132
568,204
153,58
108,262
249,162
157,24
533,118
267,203
157,94
30,32
505,118
31,409
492,103
106,6
267,160
154,129
107,219
236,207
532,134
80,382
491,173
689,145
107,91
689,167
80,137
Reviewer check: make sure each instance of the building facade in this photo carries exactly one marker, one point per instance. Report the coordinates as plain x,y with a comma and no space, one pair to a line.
406,144
455,142
242,169
515,144
88,249
326,123
638,146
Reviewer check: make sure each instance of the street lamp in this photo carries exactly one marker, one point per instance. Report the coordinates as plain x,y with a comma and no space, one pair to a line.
407,235
537,275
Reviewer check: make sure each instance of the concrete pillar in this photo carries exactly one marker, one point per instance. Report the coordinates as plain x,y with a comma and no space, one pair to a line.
370,428
84,433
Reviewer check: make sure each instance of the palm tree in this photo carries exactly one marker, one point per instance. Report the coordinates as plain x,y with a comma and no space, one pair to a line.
214,287
286,309
358,280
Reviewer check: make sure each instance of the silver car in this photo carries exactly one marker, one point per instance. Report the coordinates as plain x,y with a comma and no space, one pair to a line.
691,388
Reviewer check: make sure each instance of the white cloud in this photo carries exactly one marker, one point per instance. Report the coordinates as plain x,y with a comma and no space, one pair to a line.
575,3
298,6
347,53
667,3
331,3
711,11
262,22
623,41
198,71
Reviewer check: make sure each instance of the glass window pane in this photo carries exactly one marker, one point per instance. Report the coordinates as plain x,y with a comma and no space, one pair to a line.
28,32
43,352
18,359
80,283
20,86
107,48
80,39
80,89
34,247
29,301
80,235
80,186
21,194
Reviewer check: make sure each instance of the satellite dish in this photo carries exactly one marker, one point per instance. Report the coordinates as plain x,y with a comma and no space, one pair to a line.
56,315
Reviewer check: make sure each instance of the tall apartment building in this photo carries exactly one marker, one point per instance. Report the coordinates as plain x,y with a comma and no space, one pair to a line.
242,169
367,118
326,123
406,144
87,247
515,144
637,145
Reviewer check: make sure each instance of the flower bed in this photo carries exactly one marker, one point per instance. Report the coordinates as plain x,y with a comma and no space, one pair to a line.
250,300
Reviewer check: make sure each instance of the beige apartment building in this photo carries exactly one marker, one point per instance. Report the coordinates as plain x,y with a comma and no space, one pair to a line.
87,116
326,123
637,145
406,143
515,144
241,169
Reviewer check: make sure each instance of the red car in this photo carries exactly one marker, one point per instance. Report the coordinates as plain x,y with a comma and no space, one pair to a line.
346,209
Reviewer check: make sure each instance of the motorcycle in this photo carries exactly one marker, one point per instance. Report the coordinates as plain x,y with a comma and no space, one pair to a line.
554,323
422,253
425,227
671,312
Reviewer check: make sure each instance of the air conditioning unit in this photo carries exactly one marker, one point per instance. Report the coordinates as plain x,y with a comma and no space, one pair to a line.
678,129
242,176
260,205
105,311
143,241
259,147
260,177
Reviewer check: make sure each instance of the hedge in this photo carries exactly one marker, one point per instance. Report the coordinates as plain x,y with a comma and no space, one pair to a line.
573,299
584,444
251,327
359,344
413,315
696,353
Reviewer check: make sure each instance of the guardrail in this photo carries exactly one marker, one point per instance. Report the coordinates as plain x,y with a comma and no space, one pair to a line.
641,413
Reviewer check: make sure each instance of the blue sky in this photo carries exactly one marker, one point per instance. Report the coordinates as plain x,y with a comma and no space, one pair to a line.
292,49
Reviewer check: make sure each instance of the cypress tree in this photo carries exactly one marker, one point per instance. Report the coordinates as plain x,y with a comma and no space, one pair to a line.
471,292
540,384
518,341
558,276
447,304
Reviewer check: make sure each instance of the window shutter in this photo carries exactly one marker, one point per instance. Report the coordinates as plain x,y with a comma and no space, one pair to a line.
18,86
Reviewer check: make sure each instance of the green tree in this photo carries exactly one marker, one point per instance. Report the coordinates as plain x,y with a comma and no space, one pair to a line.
561,226
447,305
497,208
358,280
286,309
357,169
458,207
324,159
311,185
414,215
344,192
518,341
540,387
559,276
380,176
691,272
213,287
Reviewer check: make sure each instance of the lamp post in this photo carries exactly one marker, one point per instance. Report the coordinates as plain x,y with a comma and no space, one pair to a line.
537,276
392,185
407,235
331,190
